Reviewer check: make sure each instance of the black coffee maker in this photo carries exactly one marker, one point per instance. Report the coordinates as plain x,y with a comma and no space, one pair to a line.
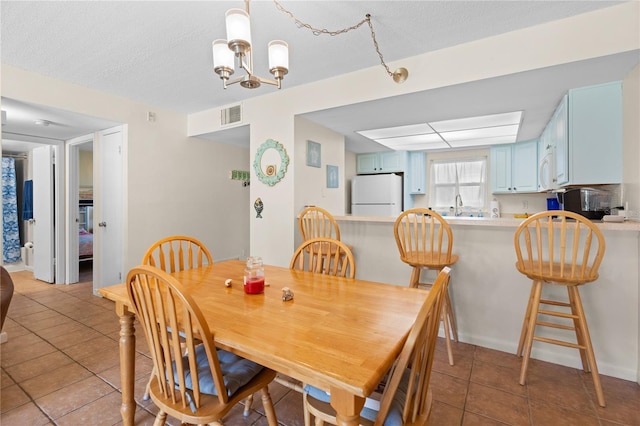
589,202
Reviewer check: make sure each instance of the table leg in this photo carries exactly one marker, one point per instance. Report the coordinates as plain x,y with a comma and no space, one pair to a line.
127,364
347,406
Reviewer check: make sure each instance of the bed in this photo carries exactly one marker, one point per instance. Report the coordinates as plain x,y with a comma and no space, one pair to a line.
85,229
86,244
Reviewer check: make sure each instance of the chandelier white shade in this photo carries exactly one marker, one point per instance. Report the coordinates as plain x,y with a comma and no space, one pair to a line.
238,30
278,56
238,48
222,56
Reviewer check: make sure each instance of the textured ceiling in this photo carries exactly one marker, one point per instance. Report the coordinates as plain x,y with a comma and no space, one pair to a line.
160,52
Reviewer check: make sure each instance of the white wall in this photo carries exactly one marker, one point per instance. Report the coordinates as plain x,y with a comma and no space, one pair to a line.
631,153
176,184
350,170
631,138
311,182
85,168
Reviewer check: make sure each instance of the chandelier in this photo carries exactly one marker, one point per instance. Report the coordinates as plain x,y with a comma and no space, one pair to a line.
237,47
237,50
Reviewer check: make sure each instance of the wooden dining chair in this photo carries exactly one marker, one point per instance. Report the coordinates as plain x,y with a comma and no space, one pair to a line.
406,398
6,293
173,254
177,253
203,385
425,242
324,256
560,248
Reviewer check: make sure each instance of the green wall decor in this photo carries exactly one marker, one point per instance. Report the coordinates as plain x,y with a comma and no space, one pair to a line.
265,164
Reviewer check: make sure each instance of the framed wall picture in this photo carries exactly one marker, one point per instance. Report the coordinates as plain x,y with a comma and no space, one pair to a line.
314,154
332,176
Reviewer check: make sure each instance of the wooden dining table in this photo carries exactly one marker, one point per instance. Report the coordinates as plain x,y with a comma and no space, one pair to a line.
337,334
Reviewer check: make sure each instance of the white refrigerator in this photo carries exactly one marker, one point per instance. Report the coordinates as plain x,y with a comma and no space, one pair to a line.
376,195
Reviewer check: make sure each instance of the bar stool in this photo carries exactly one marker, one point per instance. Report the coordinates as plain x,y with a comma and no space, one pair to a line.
425,241
566,251
316,222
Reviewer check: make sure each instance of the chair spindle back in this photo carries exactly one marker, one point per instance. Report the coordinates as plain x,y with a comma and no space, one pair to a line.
170,318
559,246
423,237
177,253
324,256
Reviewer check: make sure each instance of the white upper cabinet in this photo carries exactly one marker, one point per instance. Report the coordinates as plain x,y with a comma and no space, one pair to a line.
582,143
417,172
514,167
594,148
381,162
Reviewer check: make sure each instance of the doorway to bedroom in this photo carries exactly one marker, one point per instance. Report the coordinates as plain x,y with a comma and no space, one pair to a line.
81,207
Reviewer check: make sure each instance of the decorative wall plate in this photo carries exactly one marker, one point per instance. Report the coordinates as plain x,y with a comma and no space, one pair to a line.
264,164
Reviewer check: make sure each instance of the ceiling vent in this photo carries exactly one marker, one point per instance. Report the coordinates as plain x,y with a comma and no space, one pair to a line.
231,115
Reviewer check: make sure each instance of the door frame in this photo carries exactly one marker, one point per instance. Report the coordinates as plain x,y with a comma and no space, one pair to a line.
72,201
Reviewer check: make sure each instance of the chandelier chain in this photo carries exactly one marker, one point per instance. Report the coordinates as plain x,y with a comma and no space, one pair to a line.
375,44
318,31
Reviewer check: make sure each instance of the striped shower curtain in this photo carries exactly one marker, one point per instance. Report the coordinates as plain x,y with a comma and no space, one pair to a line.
10,232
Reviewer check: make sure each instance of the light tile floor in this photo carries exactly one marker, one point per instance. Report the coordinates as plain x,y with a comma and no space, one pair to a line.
60,366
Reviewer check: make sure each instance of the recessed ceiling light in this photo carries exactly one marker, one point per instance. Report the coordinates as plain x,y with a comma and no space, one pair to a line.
495,140
42,122
414,142
478,122
481,133
477,131
392,132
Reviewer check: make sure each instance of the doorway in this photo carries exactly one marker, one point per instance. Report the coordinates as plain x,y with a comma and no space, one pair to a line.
58,127
80,207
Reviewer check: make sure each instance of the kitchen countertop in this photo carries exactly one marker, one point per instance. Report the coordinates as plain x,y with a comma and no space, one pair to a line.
507,222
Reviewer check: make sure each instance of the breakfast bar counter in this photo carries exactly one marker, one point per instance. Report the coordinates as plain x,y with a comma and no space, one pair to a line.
503,222
490,296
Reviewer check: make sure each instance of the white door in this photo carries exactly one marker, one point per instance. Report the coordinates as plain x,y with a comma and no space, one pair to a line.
73,215
109,208
43,214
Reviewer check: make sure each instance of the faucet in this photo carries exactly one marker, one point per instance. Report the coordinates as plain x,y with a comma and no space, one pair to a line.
458,203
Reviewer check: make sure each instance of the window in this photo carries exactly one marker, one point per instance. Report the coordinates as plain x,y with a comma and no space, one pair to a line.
467,177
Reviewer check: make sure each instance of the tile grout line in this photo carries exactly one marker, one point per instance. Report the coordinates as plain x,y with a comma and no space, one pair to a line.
31,399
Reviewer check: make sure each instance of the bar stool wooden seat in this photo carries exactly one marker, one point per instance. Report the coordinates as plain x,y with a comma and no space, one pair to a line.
564,249
425,241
